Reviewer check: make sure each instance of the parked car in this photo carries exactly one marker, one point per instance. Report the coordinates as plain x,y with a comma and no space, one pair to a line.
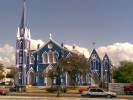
81,89
97,92
3,91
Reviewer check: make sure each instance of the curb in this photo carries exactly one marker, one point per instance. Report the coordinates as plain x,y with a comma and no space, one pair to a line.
61,95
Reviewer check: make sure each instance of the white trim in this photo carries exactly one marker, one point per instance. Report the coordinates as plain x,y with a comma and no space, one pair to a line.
54,43
49,67
26,50
66,78
68,55
50,52
17,50
31,59
37,68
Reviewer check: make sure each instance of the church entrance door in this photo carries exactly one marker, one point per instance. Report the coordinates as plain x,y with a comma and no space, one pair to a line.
31,78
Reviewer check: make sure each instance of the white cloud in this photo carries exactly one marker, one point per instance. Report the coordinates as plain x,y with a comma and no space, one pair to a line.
7,55
34,44
7,52
117,52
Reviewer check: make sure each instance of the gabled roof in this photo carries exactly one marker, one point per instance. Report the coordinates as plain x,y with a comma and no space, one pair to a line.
94,52
106,57
51,40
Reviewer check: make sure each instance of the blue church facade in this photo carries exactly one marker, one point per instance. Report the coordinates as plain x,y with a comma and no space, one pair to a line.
31,65
44,59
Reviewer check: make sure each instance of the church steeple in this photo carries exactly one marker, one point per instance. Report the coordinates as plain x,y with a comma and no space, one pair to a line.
23,18
22,48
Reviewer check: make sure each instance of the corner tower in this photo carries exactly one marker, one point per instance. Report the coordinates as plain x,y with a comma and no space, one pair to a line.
22,49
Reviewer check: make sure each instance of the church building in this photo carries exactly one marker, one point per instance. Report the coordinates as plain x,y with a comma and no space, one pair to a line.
31,65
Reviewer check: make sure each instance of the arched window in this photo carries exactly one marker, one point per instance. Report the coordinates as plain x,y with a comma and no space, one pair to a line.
50,56
54,57
45,57
32,59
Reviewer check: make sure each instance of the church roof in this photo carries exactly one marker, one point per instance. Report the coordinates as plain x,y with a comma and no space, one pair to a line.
52,41
94,52
74,51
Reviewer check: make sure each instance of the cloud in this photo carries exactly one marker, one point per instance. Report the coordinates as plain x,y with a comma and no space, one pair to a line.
117,52
7,52
7,55
34,44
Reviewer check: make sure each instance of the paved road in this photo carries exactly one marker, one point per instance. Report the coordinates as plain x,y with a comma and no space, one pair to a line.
52,98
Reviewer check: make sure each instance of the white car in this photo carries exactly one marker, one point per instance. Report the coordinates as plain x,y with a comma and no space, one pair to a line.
97,92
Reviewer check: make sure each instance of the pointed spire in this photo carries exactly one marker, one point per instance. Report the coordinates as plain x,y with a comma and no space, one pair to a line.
106,57
23,18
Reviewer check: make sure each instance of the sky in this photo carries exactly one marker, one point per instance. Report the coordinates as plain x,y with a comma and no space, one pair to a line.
81,22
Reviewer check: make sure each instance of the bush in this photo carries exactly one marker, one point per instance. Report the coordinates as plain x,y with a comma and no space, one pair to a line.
51,90
13,89
54,89
72,87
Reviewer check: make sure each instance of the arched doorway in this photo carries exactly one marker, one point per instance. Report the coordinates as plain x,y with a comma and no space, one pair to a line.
31,78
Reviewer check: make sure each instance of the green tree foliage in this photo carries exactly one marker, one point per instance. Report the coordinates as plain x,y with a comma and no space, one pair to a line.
74,65
1,71
11,74
50,74
124,73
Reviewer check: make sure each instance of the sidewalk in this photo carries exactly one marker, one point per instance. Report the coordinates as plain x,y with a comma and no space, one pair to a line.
62,95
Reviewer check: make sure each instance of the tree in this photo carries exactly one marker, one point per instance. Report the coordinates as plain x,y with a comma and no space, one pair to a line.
50,74
1,71
124,72
74,65
11,74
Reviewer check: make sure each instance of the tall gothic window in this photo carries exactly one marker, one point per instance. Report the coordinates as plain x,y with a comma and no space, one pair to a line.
50,56
45,57
54,57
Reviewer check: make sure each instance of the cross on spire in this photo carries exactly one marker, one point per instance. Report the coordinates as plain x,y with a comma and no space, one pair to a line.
50,36
93,44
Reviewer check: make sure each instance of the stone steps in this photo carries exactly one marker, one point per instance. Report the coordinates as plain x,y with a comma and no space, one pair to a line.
35,89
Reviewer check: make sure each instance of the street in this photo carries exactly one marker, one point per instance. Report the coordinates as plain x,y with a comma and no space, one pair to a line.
52,98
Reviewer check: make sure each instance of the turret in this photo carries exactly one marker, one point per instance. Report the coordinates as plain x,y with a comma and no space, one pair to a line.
22,49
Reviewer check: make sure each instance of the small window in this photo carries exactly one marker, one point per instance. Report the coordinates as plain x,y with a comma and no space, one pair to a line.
93,90
100,90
